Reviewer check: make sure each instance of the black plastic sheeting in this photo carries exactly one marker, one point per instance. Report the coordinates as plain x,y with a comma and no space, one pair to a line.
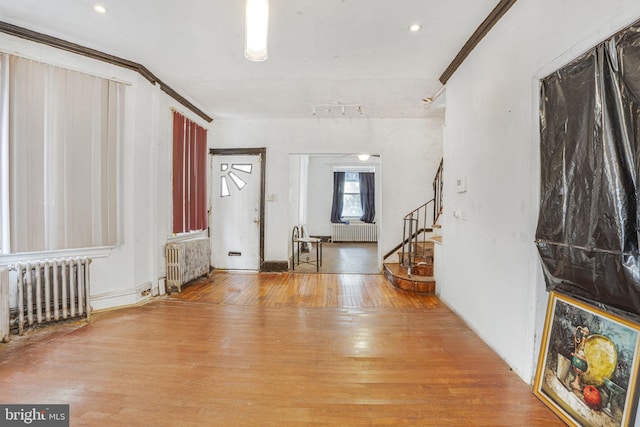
587,234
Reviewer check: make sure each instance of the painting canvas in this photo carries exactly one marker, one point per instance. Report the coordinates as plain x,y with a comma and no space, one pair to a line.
588,364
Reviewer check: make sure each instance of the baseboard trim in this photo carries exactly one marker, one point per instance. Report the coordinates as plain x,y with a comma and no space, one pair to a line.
121,298
275,266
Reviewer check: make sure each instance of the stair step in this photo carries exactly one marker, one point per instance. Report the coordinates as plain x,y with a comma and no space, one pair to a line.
417,258
436,239
425,270
419,249
427,244
426,247
420,267
399,278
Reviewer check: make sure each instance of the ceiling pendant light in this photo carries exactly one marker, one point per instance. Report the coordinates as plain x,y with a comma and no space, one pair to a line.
256,30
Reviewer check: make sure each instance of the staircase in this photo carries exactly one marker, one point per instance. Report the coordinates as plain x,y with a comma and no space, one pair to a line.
413,270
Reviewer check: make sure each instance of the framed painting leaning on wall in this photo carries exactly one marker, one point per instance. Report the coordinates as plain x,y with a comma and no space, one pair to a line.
588,364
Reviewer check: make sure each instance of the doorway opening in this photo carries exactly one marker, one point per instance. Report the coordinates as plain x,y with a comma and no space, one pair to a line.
354,248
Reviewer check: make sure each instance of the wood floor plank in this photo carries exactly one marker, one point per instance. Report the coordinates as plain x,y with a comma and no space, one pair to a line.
272,350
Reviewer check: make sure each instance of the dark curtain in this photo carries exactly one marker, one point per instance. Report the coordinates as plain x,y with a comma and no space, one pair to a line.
338,197
367,196
587,233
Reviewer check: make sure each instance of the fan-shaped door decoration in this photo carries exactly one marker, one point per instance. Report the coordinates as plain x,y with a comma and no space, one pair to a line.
234,177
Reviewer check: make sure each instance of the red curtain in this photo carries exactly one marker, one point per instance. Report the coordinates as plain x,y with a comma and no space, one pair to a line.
189,175
201,164
178,172
193,182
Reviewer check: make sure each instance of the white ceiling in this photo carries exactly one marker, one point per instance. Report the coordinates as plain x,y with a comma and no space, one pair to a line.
354,52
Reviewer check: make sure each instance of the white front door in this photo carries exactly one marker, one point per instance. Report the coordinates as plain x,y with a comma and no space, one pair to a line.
235,211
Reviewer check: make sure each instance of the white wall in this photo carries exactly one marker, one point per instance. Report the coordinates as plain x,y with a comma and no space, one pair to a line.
295,165
120,274
492,139
410,152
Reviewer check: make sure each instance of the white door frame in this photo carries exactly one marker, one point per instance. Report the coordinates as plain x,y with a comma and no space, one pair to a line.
262,152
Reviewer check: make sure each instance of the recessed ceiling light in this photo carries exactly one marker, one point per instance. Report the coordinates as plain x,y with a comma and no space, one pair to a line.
415,28
100,8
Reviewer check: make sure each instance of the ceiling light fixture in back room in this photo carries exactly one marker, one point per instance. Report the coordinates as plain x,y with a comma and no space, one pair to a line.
256,30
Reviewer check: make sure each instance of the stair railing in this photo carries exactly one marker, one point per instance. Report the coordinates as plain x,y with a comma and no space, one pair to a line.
437,193
413,232
415,225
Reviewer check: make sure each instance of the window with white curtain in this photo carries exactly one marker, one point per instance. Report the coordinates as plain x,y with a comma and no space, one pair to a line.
60,133
351,205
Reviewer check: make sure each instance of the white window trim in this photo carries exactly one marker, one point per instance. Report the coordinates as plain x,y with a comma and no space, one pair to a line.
354,169
97,252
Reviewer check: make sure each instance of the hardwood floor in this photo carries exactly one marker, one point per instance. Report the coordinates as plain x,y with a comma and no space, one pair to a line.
272,350
304,290
342,258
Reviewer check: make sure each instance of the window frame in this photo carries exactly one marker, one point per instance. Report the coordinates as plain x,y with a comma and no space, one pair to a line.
357,169
107,98
345,194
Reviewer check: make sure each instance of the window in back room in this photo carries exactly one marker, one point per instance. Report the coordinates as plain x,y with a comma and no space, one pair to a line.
352,206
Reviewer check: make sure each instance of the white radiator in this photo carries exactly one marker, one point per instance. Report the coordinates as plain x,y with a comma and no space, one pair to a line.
52,290
4,304
354,232
187,260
